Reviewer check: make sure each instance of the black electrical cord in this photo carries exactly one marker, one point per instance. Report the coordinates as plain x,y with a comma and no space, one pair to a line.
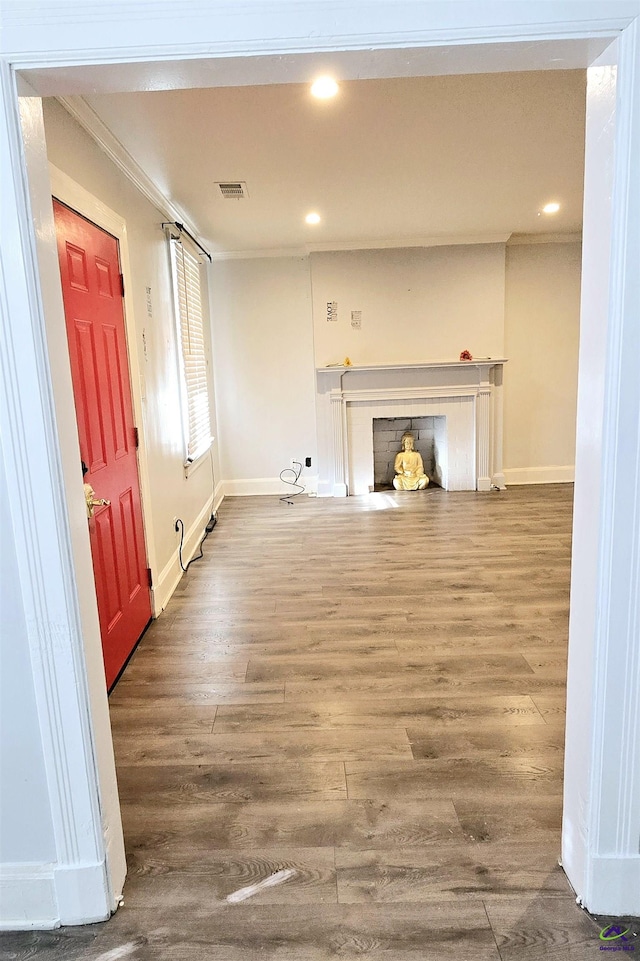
287,499
213,520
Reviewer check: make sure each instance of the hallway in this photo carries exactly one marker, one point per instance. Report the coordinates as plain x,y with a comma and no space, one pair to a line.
368,692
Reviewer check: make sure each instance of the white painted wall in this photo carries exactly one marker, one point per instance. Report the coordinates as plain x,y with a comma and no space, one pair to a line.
542,322
418,304
26,831
601,814
171,493
263,356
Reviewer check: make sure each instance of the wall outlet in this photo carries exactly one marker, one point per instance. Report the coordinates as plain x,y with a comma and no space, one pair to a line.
307,462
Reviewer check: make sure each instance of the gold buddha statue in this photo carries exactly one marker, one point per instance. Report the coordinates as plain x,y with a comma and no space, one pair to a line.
410,475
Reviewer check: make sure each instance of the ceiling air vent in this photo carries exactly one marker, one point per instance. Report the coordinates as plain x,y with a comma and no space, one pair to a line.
233,189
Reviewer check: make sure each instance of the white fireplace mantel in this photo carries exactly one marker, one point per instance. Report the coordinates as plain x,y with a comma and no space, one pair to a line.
467,393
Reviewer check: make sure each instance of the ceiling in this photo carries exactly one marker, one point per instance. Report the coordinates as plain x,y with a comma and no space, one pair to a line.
388,162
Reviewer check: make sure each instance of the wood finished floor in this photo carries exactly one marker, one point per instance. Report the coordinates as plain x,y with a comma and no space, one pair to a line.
369,692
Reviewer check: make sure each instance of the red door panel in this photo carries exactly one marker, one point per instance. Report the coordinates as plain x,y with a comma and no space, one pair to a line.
90,270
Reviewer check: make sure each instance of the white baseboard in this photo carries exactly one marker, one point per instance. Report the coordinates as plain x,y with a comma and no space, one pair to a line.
539,475
218,496
614,886
36,896
28,897
257,486
171,573
82,893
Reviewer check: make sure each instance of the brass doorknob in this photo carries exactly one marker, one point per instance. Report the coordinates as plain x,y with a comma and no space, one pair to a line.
92,501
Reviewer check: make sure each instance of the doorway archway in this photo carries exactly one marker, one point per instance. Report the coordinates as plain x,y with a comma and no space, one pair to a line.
602,812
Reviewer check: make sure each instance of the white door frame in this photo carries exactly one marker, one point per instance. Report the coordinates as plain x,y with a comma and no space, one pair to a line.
602,819
65,189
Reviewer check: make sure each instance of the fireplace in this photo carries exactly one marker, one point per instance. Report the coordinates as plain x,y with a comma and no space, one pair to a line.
387,441
461,400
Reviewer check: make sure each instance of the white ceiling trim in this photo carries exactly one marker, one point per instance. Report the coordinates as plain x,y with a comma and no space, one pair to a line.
574,237
443,240
88,119
254,254
437,240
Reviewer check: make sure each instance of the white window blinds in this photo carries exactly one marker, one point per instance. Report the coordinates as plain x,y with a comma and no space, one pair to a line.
188,300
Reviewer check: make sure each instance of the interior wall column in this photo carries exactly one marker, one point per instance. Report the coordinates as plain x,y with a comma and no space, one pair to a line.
601,820
483,431
497,428
36,477
340,488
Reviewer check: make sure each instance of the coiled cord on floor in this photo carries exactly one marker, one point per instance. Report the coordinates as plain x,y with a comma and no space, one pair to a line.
288,498
179,526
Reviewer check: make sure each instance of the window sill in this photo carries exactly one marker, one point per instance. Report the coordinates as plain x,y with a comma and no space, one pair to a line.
191,466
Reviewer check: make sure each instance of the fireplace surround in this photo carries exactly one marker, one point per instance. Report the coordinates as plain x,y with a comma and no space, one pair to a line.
463,397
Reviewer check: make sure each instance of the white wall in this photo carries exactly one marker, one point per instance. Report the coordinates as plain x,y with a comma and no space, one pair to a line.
171,494
26,830
542,321
418,304
263,357
601,811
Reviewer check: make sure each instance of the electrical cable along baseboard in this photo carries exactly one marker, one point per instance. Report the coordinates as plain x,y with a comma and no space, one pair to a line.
179,526
292,478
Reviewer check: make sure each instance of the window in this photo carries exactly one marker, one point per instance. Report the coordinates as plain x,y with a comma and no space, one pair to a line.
191,346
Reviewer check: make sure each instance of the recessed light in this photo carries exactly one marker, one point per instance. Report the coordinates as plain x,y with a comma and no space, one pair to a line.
312,218
551,208
324,87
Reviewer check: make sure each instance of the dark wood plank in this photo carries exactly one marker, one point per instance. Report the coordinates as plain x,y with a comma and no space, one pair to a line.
489,739
163,718
517,778
190,865
183,783
142,670
181,692
460,871
298,823
282,745
396,684
498,819
365,713
314,666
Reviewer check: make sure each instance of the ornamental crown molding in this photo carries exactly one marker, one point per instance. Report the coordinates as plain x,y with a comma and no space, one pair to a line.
442,240
522,240
88,119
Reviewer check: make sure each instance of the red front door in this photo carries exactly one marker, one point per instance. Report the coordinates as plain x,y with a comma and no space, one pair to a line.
93,305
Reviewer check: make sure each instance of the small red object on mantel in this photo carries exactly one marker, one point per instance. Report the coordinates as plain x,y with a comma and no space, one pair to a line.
465,355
